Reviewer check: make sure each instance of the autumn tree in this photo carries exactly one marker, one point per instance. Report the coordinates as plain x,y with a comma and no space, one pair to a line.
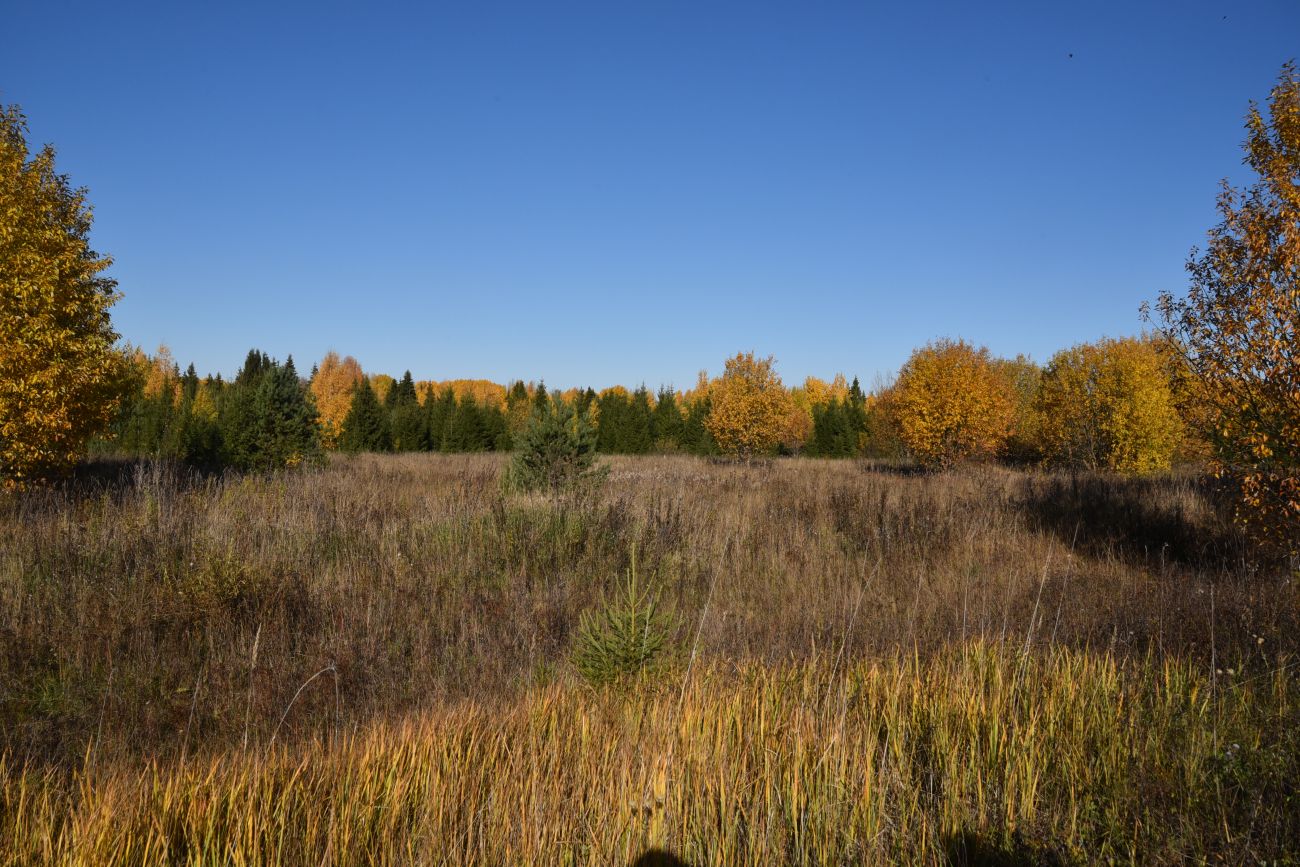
952,405
1023,445
60,376
748,406
1239,324
1108,405
333,386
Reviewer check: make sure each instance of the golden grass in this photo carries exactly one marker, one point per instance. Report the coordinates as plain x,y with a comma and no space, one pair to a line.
980,752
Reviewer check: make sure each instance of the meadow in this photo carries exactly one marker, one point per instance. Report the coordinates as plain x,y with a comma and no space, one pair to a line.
370,663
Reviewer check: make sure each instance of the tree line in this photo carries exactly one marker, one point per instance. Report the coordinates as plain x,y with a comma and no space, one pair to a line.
1218,379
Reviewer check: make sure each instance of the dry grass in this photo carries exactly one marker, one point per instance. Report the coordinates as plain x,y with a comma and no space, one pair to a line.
976,755
934,659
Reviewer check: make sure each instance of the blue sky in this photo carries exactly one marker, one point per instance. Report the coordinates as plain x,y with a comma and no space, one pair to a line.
631,191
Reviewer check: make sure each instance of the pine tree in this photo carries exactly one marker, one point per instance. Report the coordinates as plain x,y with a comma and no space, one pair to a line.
288,431
365,428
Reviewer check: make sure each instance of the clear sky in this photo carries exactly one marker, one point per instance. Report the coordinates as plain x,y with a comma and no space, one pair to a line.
631,191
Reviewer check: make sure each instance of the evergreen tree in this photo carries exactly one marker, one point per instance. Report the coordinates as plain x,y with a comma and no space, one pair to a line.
189,383
496,429
365,428
638,422
402,392
255,364
542,398
609,422
668,423
285,415
556,452
696,438
465,432
440,411
408,420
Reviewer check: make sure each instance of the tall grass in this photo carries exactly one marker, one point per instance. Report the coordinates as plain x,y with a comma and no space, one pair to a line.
372,663
975,754
164,613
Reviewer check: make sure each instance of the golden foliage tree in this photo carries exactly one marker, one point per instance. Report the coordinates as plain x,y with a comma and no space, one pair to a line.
60,376
1239,325
333,385
1024,377
1108,405
749,407
951,404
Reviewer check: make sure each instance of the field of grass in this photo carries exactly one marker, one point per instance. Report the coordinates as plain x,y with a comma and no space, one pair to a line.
370,664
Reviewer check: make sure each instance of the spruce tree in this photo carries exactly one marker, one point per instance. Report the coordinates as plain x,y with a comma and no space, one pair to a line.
365,428
611,427
465,431
288,433
408,420
668,423
440,411
638,436
695,436
556,452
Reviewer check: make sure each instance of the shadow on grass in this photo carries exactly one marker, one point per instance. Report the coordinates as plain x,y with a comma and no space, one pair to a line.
659,858
1145,521
969,849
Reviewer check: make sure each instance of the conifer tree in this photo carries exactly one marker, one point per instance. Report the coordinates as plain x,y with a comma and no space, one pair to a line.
696,438
440,411
408,420
465,431
288,431
365,428
638,435
556,452
668,423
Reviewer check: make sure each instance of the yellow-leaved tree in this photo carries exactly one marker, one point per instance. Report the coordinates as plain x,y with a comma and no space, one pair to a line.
749,407
951,404
333,386
1239,325
1108,405
60,376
